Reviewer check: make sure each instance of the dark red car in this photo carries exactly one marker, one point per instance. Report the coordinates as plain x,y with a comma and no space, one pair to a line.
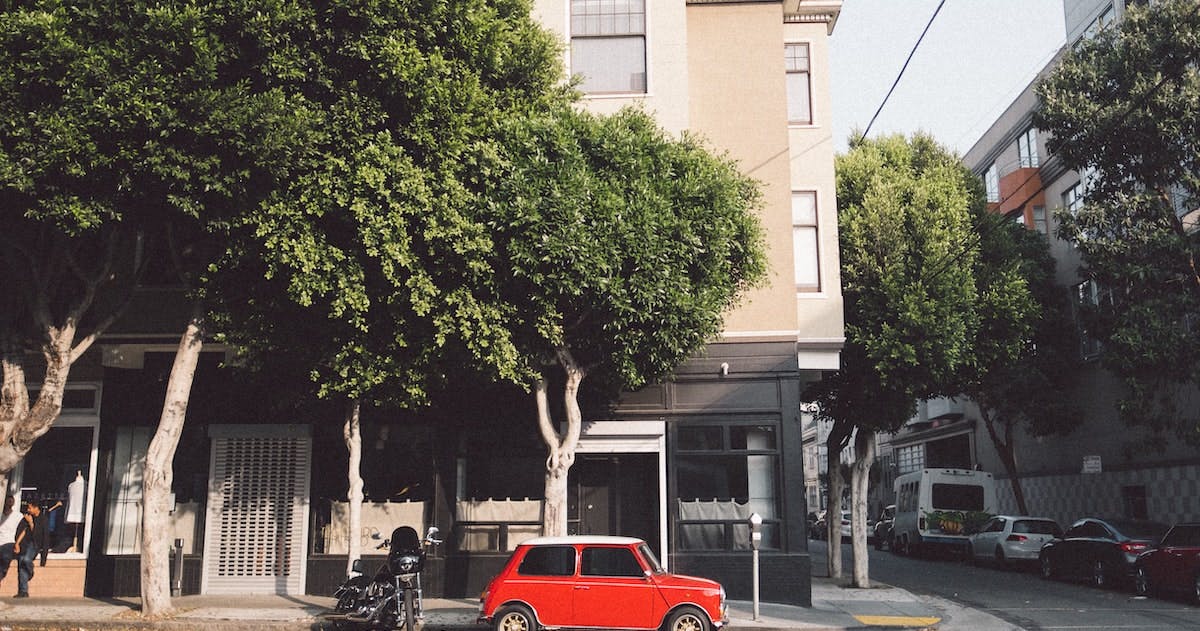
1172,565
597,582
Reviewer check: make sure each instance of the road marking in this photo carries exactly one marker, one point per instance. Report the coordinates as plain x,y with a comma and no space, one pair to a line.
898,621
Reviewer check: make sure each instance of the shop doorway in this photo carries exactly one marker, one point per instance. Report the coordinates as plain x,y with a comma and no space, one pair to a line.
616,494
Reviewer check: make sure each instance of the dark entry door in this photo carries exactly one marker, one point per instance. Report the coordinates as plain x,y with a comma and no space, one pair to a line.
615,494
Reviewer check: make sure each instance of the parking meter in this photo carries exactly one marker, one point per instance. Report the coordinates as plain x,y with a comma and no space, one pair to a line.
755,540
755,530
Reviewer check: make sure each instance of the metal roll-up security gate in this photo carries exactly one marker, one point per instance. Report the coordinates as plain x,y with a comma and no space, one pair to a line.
257,520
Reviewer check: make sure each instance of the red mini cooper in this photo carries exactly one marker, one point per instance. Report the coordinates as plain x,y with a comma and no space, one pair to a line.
597,582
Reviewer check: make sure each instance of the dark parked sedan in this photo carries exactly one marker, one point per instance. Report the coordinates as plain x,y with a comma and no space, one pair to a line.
1173,564
1102,551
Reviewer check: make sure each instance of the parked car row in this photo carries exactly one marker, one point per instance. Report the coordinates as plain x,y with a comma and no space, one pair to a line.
1147,556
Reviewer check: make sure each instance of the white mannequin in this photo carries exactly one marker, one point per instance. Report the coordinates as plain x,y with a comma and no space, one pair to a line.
75,494
75,499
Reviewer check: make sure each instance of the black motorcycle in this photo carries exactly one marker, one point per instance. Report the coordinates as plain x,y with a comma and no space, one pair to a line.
391,599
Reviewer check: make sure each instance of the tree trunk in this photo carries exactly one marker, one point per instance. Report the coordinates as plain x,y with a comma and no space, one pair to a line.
21,423
561,447
354,492
834,443
157,476
864,457
1008,456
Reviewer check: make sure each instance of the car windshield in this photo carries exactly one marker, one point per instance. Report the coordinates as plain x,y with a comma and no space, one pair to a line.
650,559
1036,527
1183,536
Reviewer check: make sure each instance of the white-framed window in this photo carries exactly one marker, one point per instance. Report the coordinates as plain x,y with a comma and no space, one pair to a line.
805,250
910,458
991,183
1027,148
608,45
799,83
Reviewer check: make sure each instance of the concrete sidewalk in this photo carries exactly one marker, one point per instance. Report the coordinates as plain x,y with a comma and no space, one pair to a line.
834,608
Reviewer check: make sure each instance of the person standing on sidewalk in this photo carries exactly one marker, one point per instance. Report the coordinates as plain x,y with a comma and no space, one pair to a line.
31,537
9,519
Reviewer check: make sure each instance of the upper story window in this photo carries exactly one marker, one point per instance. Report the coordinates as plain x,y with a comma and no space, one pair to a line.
1100,23
805,252
1040,223
1073,198
1027,148
608,45
799,83
991,182
1089,295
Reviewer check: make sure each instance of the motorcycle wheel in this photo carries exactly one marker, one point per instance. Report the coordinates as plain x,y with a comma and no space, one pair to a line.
410,618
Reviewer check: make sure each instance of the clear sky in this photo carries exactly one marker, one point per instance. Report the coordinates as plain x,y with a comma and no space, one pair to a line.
975,60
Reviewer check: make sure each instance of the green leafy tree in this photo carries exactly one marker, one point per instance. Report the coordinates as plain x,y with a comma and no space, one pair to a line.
908,252
1123,109
368,268
620,249
259,129
1026,348
126,128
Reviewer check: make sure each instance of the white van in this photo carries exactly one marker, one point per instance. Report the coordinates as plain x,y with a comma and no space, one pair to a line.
934,505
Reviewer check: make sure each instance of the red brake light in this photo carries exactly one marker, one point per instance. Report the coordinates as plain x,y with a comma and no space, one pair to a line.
1017,538
1133,547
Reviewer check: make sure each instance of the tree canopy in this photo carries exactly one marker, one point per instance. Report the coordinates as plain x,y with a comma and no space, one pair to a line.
620,249
908,251
1123,109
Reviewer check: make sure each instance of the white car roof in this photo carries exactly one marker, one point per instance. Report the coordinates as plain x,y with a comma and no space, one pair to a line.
580,539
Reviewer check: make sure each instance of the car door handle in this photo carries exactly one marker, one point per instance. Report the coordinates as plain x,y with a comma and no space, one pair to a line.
582,587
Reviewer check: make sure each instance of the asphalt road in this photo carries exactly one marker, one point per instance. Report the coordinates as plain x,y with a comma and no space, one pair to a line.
1020,596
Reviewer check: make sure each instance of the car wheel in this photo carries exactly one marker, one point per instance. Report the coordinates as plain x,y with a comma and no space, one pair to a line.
687,619
1047,567
1141,581
1196,588
1099,574
515,618
1001,561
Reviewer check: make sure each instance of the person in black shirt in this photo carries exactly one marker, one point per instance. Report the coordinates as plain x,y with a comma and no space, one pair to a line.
31,537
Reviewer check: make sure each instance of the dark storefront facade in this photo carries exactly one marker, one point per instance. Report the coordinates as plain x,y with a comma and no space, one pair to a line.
259,487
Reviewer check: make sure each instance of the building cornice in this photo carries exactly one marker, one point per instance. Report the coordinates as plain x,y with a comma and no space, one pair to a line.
795,11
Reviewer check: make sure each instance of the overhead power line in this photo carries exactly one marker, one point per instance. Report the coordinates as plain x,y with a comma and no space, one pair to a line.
902,69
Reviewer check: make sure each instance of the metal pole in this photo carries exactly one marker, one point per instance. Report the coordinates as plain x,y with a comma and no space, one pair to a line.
756,584
177,580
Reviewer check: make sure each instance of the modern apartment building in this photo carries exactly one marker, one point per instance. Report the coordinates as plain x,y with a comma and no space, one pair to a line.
682,464
1098,469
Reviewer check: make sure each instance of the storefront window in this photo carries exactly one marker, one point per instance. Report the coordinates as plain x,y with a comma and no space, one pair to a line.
718,491
58,469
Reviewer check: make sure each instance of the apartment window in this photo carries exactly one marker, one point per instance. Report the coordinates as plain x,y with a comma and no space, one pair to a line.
1087,296
991,182
804,241
1027,148
799,84
1073,198
1040,223
1100,23
608,45
911,458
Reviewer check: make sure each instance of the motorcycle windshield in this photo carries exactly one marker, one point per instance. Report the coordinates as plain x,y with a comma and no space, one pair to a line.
404,539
